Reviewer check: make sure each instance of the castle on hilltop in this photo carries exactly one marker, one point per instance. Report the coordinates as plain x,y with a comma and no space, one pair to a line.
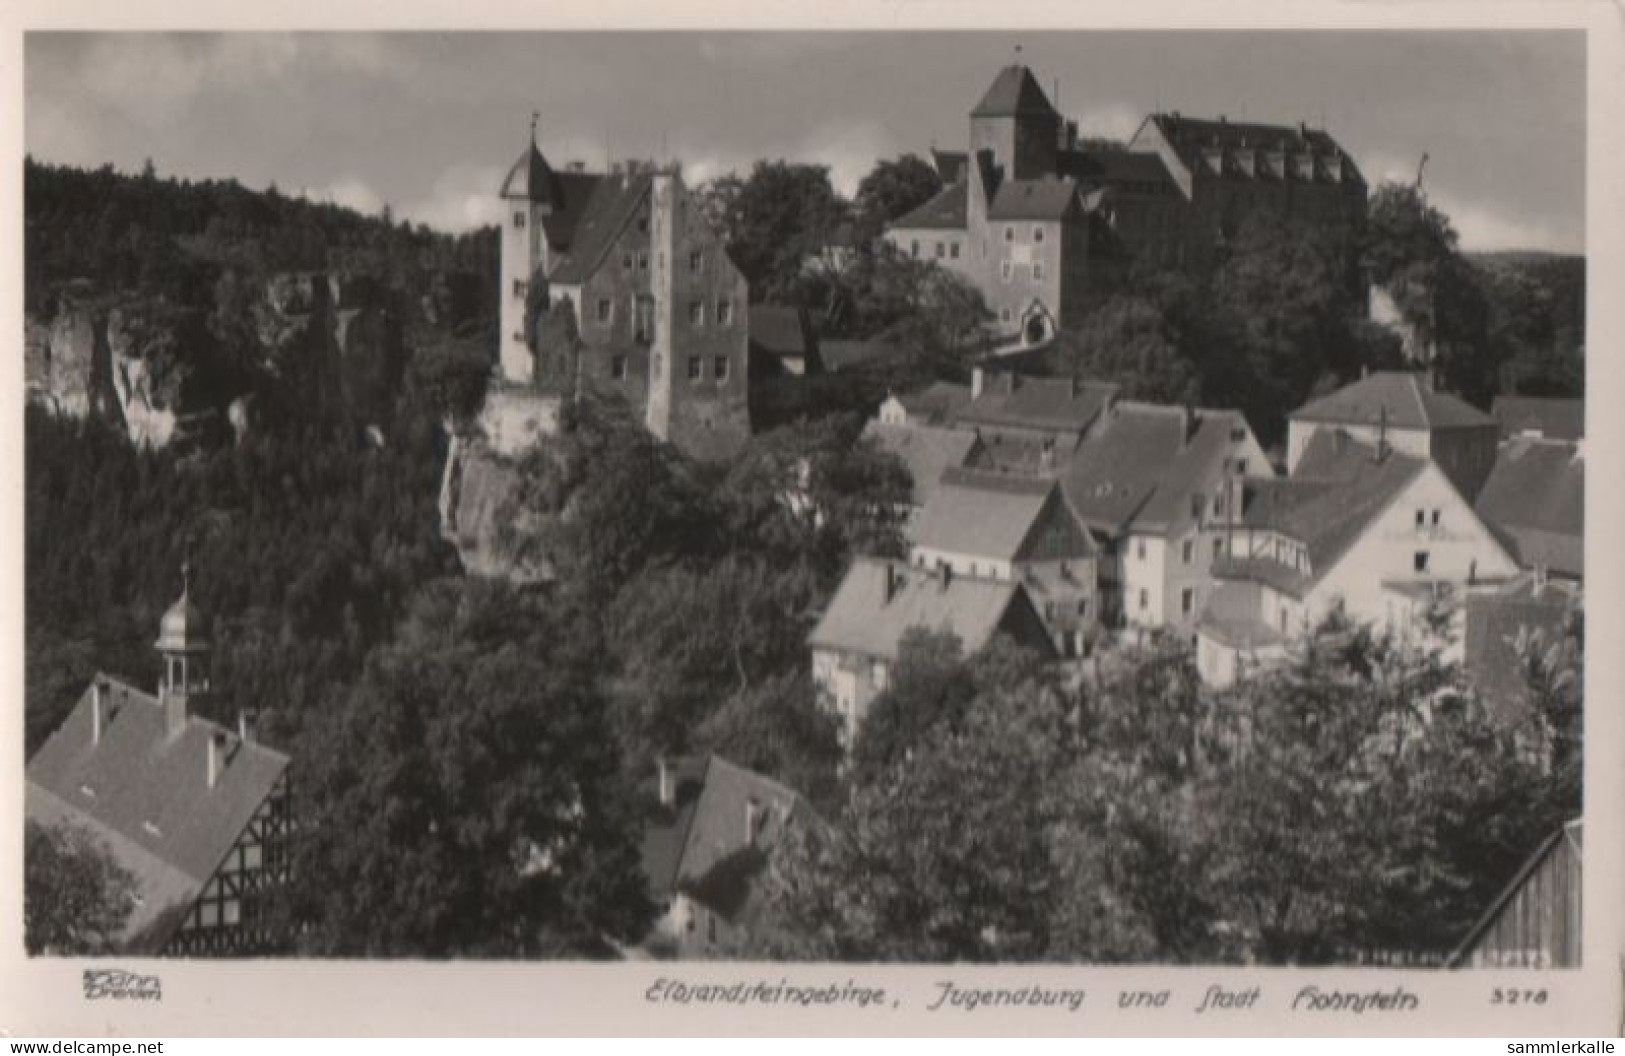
1043,224
656,309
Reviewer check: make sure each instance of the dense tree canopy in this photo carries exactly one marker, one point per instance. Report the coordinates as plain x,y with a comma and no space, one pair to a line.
76,898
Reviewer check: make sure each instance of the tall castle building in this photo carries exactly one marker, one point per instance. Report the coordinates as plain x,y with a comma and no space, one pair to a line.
1042,225
658,309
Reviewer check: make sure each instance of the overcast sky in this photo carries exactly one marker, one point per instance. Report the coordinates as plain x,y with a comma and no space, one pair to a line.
430,122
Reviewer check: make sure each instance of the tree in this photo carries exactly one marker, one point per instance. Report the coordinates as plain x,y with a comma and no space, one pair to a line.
890,190
773,220
777,727
76,897
464,798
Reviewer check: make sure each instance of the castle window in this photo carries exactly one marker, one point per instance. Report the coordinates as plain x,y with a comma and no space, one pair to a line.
520,287
696,368
1187,553
1004,270
1038,269
519,220
1083,606
1420,561
1038,234
953,250
1187,601
942,250
1145,599
1435,518
1009,234
643,225
696,260
696,313
719,367
626,262
1218,548
606,310
643,261
725,312
617,368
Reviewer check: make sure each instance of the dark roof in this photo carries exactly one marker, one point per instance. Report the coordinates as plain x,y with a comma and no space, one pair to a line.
1114,167
1410,402
1049,198
862,619
1492,624
1549,419
780,330
1189,136
1143,464
1339,487
936,402
573,191
530,177
689,849
845,354
1535,499
999,517
947,211
614,200
950,164
1014,92
1056,404
926,450
148,793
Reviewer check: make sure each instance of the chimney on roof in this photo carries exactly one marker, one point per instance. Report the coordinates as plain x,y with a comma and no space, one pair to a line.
666,782
245,725
100,692
977,380
753,811
1189,422
1382,434
217,756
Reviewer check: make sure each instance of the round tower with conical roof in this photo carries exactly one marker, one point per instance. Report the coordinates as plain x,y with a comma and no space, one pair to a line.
528,195
184,643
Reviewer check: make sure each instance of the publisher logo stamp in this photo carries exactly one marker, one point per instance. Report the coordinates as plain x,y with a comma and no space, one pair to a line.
119,985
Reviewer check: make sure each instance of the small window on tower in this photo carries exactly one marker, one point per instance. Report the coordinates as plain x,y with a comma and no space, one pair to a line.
1187,601
696,369
1038,234
1187,552
1009,234
953,250
519,219
617,368
725,312
606,309
720,367
696,313
1420,561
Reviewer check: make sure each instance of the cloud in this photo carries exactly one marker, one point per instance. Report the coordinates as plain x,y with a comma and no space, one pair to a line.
1484,228
350,192
464,197
1117,121
848,149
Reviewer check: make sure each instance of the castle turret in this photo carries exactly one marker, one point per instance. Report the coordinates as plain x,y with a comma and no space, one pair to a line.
530,193
183,642
1016,121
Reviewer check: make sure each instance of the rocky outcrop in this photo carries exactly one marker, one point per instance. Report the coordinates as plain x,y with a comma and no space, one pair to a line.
481,517
61,353
158,366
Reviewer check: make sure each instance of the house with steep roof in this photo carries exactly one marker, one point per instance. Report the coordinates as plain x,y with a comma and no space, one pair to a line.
657,309
856,641
1378,532
705,848
1402,410
1158,486
1032,414
1534,500
1040,223
1540,418
196,813
1018,529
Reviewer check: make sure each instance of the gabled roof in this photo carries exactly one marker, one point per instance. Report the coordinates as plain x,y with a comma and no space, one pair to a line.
928,451
1340,486
999,517
530,177
1535,499
945,212
1014,92
1410,403
1551,419
573,191
950,164
780,330
686,848
936,402
1189,136
1139,470
1110,168
614,201
1057,404
867,618
146,792
1050,198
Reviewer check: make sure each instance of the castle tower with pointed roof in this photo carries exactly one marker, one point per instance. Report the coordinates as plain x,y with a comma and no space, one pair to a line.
530,192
